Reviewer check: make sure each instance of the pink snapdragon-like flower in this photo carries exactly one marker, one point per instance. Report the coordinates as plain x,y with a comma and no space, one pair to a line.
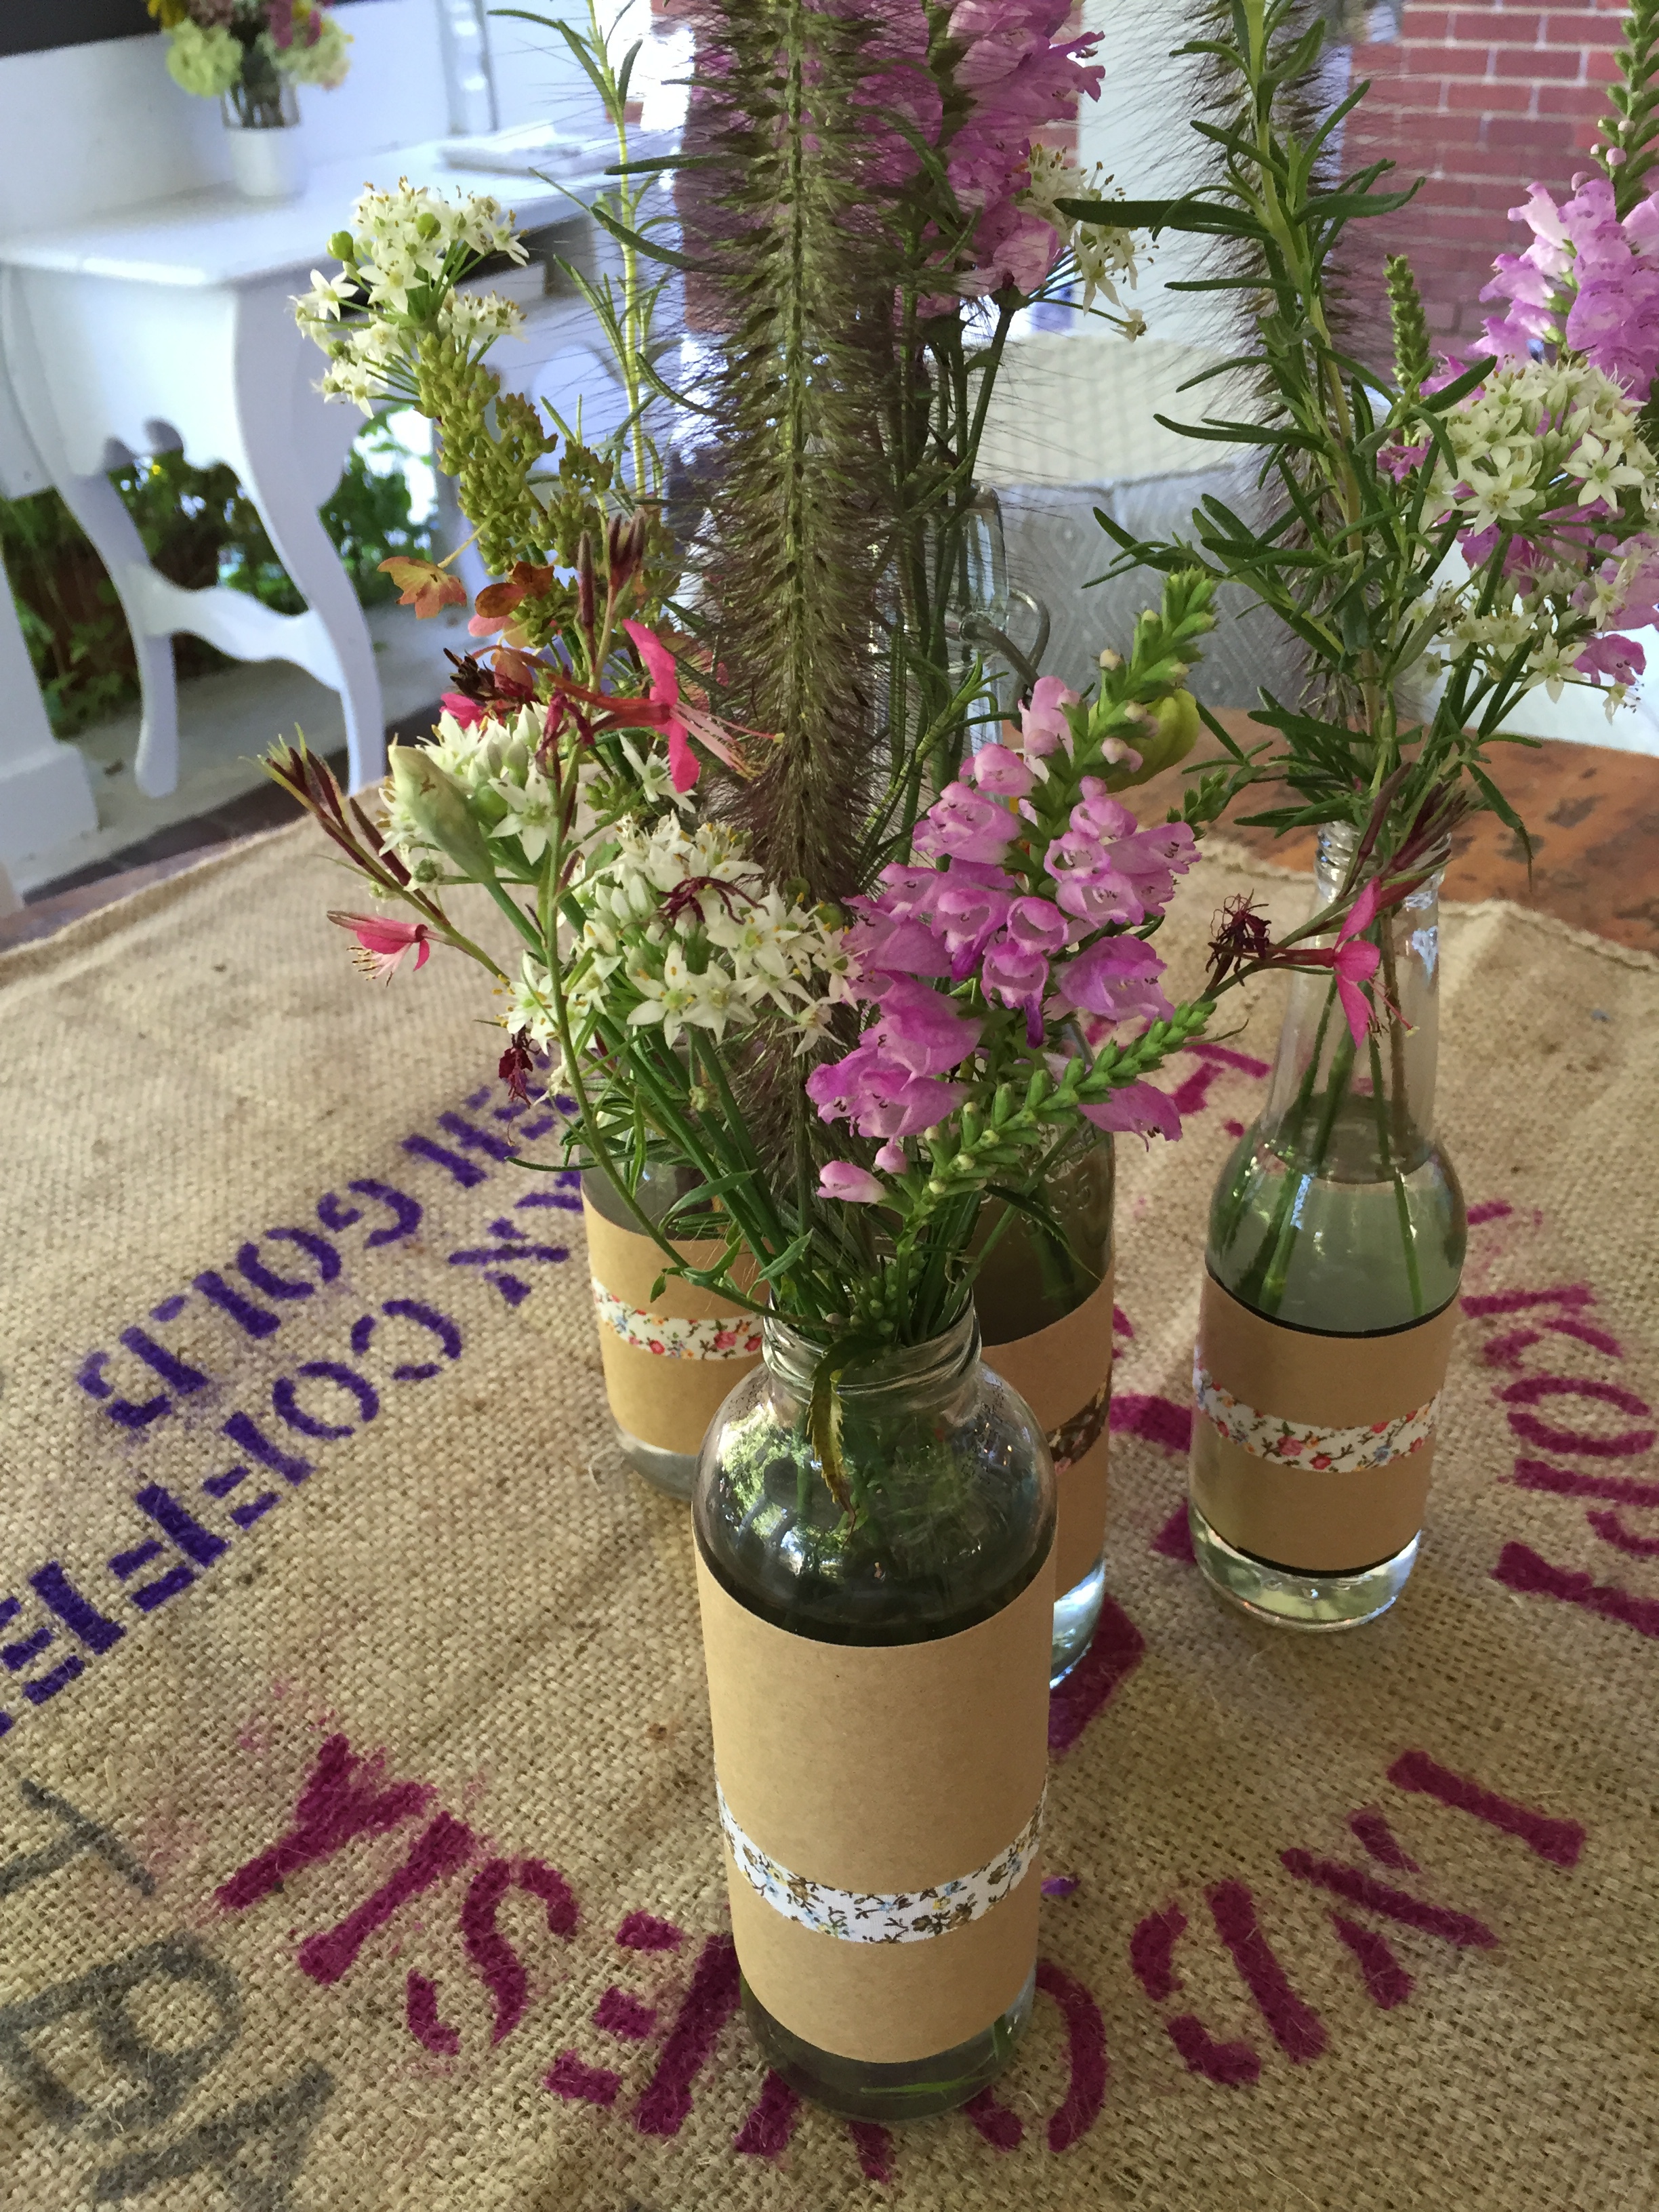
970,914
924,1031
1619,659
852,1184
1604,272
963,826
1137,1110
878,1094
385,943
998,771
1398,461
1117,978
1018,979
882,948
1043,724
1036,926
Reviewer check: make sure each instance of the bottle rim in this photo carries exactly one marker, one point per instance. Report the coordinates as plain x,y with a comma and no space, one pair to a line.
906,1370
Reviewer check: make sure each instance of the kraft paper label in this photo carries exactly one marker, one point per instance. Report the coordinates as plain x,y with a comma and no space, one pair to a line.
1064,1373
665,1384
1311,1450
881,1770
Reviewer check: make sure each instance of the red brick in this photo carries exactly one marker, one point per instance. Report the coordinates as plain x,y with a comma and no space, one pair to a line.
1537,63
1487,28
1577,29
1489,98
1435,24
1448,61
1393,100
1586,101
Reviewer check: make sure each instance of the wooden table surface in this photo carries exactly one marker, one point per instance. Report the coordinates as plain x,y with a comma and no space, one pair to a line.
1593,816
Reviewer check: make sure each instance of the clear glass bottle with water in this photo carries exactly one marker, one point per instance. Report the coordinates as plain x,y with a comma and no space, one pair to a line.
942,1538
1037,1275
1338,1217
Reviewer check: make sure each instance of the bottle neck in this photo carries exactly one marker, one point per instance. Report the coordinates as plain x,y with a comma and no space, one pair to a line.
1361,1109
907,1377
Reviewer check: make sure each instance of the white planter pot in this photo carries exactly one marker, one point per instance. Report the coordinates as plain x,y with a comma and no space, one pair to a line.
267,165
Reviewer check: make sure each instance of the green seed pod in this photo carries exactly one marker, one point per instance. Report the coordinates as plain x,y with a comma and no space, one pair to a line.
343,246
437,806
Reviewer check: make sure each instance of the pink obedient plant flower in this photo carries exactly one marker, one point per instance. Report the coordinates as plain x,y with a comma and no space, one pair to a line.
384,943
847,1180
1012,916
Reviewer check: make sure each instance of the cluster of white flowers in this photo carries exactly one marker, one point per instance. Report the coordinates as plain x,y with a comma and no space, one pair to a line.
1541,436
403,243
496,766
1102,251
682,930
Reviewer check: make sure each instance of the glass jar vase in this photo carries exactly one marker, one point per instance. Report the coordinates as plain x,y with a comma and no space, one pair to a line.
1335,1249
877,1656
261,116
1044,1298
670,1356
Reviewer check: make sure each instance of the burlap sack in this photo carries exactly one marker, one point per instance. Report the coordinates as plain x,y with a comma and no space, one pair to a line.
357,1844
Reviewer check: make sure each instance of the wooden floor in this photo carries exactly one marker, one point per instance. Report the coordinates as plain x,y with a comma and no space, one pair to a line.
1593,817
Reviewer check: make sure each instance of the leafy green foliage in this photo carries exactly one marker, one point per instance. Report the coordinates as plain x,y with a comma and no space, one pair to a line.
1348,554
1629,136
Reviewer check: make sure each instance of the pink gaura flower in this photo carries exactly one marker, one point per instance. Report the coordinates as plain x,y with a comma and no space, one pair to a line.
661,668
384,943
1353,962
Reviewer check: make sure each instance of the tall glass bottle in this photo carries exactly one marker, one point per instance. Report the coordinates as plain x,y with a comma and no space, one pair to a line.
1335,1248
1044,1297
877,1679
670,1356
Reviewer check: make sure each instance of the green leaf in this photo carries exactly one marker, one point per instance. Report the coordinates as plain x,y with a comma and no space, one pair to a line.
640,244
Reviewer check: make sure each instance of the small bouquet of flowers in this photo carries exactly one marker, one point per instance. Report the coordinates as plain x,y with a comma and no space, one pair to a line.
246,51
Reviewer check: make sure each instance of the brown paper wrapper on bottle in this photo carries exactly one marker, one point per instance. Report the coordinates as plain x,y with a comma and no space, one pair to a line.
1064,1373
1315,1521
882,1768
668,1403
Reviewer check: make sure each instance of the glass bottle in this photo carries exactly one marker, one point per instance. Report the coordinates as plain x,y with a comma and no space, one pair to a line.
682,1390
897,1676
1336,1245
1034,1280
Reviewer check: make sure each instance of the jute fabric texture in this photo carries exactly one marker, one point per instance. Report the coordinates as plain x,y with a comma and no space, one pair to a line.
357,1831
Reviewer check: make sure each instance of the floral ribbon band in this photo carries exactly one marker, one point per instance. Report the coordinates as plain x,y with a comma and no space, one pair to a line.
1069,1442
858,1917
1298,1443
725,1336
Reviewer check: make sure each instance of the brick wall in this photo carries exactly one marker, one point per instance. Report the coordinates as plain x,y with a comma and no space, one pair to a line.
1479,99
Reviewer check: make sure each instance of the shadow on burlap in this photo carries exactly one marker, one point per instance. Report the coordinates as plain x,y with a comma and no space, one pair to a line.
356,1835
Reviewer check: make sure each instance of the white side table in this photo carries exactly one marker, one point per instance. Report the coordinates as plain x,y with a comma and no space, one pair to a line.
168,323
45,792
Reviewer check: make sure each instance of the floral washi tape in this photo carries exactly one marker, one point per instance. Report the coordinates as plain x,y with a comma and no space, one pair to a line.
1298,1444
1069,1442
861,1917
726,1336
